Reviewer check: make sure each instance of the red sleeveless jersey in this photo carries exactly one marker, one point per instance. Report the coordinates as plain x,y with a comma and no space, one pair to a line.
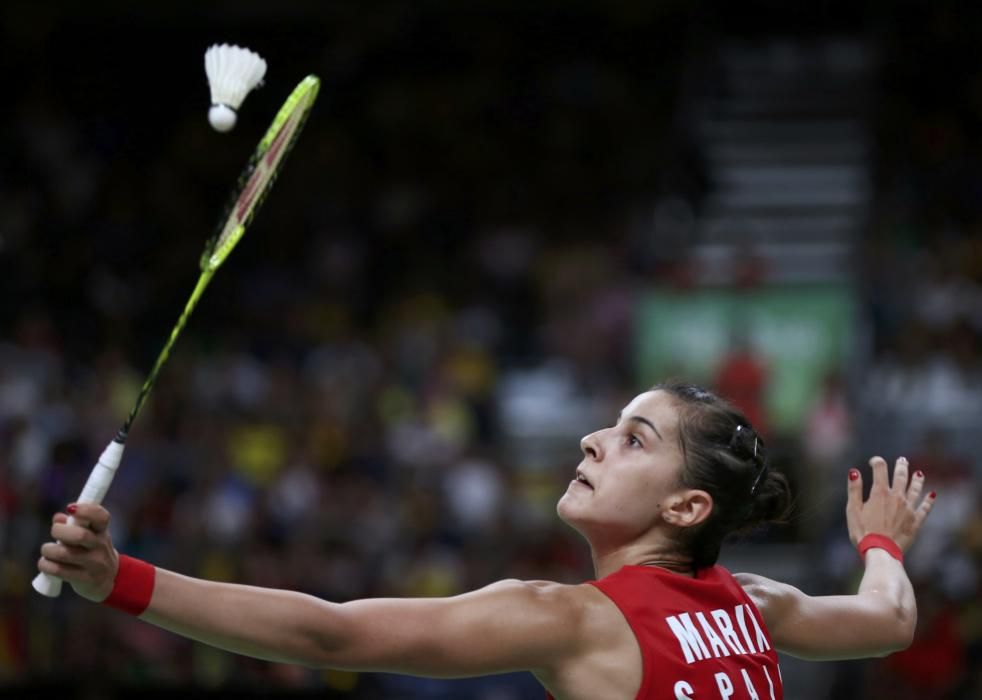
700,639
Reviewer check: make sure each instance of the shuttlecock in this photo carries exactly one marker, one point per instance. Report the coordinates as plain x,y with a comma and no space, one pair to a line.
232,72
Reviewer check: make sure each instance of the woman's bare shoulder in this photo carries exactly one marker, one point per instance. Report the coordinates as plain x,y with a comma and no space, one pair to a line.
574,597
762,584
771,597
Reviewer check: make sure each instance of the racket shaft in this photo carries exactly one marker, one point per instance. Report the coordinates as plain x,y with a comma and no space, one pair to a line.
94,491
148,383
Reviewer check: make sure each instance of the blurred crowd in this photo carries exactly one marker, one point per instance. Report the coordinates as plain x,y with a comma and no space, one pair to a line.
383,391
922,284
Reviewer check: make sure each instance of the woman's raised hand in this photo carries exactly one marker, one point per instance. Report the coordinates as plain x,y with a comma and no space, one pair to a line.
895,510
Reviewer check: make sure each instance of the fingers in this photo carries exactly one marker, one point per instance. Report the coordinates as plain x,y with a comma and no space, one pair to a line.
63,561
855,491
854,505
901,476
64,571
915,488
63,553
93,514
924,509
73,563
84,528
75,535
881,479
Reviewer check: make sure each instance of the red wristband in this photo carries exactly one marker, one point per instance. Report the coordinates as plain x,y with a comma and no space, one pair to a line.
883,542
133,586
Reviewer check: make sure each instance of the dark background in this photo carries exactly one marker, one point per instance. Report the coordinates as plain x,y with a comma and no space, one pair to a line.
469,224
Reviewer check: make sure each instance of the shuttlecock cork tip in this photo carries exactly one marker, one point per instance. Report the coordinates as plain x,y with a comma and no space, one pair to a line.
221,117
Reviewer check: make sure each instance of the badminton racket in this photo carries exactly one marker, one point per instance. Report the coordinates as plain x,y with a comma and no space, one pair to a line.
251,190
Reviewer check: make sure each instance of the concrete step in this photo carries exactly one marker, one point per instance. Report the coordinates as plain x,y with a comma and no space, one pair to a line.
778,197
809,130
780,263
778,103
787,176
837,226
842,151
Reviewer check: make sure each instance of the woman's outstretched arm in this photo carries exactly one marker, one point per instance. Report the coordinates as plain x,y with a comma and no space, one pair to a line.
880,618
509,625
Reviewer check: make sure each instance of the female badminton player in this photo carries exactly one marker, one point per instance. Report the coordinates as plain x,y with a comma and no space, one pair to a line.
654,496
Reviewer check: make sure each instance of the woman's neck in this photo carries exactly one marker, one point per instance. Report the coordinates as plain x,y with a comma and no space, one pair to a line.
607,561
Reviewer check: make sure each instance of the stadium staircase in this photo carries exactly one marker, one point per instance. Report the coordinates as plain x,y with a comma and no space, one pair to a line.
782,128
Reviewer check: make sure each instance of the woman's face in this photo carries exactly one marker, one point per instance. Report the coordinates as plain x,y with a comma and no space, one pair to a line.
627,472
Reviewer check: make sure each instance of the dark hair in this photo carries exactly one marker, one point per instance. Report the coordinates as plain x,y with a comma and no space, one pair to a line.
723,455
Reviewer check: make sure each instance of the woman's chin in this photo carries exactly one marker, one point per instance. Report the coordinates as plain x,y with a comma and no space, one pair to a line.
564,508
571,513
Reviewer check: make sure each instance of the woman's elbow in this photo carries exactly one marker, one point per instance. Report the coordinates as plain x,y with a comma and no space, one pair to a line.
902,626
317,637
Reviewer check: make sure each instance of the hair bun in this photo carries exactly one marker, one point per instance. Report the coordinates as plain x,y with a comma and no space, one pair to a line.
771,502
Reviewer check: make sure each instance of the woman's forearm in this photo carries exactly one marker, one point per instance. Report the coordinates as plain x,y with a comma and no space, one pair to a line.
264,623
885,582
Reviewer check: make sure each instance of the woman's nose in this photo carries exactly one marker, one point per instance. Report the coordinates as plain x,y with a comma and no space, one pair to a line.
590,445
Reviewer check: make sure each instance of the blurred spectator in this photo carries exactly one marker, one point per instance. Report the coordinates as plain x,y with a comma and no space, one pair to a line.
742,378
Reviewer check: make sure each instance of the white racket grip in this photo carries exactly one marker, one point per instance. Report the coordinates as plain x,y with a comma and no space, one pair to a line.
102,474
94,491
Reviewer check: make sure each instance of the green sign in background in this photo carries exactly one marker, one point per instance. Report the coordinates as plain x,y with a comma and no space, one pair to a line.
800,332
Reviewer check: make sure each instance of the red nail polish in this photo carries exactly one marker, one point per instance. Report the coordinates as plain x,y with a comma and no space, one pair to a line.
933,494
853,475
919,474
71,509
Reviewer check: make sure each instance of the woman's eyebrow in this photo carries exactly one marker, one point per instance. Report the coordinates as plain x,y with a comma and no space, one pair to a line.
641,419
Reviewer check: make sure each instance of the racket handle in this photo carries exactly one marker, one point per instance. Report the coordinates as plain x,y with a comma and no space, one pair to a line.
93,492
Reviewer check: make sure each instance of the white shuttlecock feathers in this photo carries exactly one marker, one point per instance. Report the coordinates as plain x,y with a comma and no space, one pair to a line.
232,73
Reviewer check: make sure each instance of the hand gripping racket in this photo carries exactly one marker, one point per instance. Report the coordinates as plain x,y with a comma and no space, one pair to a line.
253,185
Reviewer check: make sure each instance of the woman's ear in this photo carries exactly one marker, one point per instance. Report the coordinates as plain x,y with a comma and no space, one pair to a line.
688,508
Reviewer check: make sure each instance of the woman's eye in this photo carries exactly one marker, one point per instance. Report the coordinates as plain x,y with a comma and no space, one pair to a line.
633,441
